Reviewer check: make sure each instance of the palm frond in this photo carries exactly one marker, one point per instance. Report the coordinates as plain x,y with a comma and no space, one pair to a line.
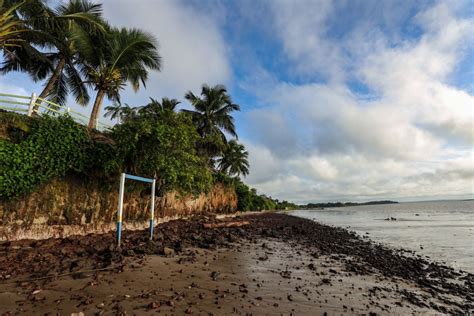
76,85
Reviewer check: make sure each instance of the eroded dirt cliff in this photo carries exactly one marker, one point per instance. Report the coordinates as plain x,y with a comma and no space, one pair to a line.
70,207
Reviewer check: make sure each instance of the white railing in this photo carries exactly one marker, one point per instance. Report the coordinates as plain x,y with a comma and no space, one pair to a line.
33,104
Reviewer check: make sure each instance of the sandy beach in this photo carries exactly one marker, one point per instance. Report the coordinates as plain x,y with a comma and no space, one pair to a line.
273,264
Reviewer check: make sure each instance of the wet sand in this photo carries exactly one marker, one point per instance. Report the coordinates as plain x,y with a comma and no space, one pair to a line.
264,268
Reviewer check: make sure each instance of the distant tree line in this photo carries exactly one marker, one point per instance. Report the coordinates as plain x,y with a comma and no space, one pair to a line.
343,204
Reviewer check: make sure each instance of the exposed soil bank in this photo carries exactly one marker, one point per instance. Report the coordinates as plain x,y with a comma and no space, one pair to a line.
72,206
276,264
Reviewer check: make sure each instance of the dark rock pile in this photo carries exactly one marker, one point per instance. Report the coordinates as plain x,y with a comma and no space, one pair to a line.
52,257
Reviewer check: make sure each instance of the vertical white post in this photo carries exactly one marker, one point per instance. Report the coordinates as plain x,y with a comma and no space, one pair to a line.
152,209
32,104
120,208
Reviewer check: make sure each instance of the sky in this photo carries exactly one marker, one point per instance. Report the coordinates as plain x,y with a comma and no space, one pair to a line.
348,100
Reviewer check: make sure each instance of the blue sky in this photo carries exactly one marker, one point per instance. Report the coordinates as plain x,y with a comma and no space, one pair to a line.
341,100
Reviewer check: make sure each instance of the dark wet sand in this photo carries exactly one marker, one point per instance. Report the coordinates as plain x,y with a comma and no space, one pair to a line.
222,271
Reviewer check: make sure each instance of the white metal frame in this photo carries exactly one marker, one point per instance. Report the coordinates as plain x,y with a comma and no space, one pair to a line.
124,176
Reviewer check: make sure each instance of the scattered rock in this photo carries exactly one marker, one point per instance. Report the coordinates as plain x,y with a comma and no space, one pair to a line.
215,275
168,252
153,305
263,258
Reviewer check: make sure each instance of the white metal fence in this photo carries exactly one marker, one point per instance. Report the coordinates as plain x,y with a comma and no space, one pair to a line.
32,104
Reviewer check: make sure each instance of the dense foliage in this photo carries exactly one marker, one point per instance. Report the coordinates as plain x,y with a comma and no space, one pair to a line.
54,146
150,141
162,144
72,49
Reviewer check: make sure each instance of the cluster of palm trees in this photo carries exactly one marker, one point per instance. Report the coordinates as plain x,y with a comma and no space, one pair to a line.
212,119
72,49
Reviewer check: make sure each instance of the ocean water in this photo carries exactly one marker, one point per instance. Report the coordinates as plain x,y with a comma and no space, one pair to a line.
441,230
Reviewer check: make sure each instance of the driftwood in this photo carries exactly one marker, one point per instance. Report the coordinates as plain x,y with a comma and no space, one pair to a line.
225,224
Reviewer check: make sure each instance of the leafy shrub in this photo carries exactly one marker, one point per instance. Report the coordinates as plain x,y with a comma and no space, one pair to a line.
163,144
53,146
102,161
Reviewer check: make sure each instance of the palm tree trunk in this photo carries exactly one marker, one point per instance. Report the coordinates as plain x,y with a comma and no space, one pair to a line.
96,109
52,80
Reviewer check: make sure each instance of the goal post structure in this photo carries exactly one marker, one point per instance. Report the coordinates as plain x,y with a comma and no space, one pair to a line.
124,176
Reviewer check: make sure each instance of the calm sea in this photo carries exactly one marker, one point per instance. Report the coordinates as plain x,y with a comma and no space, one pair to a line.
442,230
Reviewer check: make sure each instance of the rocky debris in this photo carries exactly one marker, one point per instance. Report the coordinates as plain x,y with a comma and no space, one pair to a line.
312,267
263,258
225,224
214,275
76,255
243,288
168,252
286,274
153,305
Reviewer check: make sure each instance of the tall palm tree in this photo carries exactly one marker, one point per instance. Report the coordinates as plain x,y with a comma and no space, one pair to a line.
58,31
213,109
234,159
126,55
212,118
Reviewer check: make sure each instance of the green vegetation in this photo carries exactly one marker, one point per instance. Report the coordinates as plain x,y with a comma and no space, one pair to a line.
154,142
53,147
74,50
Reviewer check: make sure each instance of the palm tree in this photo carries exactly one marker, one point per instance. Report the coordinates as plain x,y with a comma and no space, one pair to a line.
10,26
212,111
19,40
122,112
234,159
126,55
57,30
155,107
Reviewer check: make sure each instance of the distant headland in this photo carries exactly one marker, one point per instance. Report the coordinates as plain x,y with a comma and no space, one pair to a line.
343,204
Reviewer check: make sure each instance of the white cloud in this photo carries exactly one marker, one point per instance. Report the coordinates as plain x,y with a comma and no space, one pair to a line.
310,51
191,45
341,146
12,88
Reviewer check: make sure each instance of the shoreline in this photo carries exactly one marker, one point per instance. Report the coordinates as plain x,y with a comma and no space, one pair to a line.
290,264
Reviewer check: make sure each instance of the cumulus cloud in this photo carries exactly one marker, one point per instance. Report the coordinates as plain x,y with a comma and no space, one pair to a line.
302,29
191,44
340,145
